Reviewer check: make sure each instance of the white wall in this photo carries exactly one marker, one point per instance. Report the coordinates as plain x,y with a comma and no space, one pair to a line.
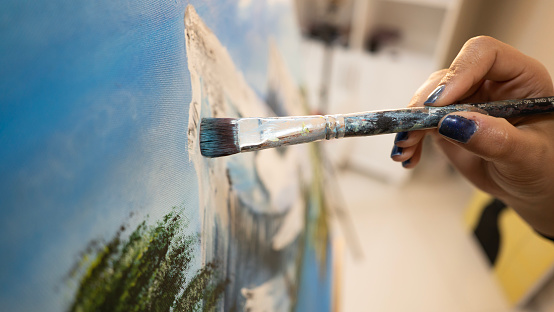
525,24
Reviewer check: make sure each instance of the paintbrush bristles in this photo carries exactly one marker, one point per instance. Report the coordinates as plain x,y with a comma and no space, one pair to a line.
218,137
227,136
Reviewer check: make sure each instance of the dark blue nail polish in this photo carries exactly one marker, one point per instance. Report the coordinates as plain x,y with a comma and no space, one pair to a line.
406,162
396,151
457,128
401,136
434,96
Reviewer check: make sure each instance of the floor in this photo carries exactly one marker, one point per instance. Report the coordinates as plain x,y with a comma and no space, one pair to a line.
406,246
416,254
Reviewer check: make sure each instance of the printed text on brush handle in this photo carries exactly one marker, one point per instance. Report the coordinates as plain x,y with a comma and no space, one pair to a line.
417,118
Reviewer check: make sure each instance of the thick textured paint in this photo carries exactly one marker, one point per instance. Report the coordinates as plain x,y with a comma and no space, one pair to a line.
253,206
95,112
145,270
93,100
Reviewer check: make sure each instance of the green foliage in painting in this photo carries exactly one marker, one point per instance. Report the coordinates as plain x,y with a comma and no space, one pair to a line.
147,272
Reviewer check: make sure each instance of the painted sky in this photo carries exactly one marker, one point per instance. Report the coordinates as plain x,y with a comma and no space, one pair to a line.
94,108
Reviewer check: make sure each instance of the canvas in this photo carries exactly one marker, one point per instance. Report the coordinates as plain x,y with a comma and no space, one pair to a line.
106,203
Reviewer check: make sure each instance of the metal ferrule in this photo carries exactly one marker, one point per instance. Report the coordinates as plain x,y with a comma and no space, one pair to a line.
261,133
334,127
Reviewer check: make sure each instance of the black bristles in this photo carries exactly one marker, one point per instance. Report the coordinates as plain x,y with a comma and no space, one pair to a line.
218,137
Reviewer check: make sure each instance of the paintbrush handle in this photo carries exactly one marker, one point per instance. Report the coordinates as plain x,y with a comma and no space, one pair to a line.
227,136
418,118
254,134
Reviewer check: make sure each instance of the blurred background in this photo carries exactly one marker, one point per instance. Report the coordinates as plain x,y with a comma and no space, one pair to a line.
411,236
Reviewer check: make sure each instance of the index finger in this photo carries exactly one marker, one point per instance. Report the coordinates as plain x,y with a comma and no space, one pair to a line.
485,58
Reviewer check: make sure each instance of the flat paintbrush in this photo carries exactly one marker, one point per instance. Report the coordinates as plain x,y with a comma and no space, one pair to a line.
227,136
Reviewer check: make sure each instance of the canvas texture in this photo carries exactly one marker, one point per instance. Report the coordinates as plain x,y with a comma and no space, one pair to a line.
106,203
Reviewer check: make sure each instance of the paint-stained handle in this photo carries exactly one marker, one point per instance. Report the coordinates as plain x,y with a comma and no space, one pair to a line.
418,118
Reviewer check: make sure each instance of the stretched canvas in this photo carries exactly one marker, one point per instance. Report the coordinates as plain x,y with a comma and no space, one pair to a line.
105,201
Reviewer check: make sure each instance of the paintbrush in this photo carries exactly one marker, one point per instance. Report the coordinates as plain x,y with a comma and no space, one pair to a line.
227,136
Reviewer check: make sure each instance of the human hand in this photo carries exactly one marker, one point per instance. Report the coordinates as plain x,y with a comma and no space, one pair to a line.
511,160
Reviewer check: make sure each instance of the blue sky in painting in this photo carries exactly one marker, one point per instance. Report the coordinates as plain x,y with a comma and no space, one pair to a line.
94,112
94,103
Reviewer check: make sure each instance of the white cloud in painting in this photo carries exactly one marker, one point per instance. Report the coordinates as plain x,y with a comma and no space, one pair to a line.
244,3
277,2
269,296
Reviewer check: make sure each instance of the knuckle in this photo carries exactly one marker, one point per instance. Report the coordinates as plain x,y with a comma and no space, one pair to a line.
469,57
438,75
418,99
459,66
502,144
480,41
423,92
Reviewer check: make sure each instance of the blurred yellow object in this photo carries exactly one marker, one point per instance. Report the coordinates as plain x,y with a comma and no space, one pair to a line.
525,259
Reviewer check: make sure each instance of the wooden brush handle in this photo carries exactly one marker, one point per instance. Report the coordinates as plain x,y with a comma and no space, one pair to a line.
417,118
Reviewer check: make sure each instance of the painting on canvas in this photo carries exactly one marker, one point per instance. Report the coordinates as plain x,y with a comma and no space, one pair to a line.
106,202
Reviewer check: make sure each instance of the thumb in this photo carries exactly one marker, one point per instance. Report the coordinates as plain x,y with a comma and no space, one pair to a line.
491,138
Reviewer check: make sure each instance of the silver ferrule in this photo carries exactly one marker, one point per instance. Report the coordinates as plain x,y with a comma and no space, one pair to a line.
261,133
334,127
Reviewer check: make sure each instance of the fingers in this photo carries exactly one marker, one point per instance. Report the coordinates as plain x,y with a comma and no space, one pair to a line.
407,148
496,156
426,88
485,69
408,145
512,163
489,138
409,139
412,161
484,60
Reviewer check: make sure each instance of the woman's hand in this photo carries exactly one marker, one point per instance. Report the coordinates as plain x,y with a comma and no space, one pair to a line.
511,160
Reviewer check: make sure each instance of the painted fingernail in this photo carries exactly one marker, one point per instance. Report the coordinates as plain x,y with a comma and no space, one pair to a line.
458,128
434,96
406,162
401,136
396,151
